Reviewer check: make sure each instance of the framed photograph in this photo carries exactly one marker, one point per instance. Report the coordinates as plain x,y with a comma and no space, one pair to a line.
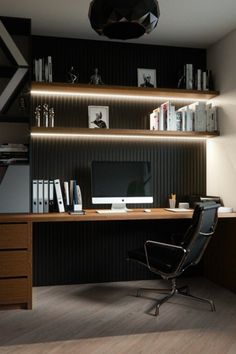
147,77
98,117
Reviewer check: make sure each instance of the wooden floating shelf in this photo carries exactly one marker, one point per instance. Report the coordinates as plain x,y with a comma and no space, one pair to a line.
120,91
132,133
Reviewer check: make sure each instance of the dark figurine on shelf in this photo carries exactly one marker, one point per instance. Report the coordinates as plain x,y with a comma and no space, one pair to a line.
96,79
73,75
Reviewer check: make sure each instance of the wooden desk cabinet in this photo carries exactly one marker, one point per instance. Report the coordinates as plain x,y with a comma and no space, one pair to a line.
16,265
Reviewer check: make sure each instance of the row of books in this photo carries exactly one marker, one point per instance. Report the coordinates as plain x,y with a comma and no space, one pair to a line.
198,116
42,69
49,196
13,154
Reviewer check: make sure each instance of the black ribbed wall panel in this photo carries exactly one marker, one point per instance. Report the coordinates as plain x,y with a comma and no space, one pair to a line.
178,166
93,252
117,62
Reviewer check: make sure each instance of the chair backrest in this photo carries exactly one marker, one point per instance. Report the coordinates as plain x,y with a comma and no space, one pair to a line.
198,235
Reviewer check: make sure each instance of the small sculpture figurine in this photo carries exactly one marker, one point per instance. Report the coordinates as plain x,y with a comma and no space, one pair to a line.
73,76
96,79
51,117
45,115
37,115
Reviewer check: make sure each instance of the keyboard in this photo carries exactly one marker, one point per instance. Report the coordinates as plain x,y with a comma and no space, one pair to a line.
110,211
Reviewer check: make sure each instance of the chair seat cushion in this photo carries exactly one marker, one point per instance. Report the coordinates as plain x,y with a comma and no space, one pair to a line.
162,259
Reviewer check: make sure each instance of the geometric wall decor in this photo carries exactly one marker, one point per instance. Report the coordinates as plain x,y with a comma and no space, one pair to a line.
21,70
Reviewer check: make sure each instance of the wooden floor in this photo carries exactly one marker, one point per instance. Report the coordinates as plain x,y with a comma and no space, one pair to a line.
109,319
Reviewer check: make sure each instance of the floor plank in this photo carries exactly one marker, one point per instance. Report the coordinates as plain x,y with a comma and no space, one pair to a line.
109,319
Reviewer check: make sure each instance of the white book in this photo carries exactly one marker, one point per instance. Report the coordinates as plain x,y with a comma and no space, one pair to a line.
40,196
189,76
45,197
204,81
200,117
66,190
60,202
49,68
40,66
179,115
35,196
199,79
51,196
189,119
154,120
36,70
212,120
164,115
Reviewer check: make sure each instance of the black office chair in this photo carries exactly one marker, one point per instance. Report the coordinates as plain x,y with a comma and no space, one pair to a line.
171,260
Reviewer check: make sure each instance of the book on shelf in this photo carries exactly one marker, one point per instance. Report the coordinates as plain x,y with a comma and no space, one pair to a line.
59,198
154,119
189,76
42,69
211,118
167,116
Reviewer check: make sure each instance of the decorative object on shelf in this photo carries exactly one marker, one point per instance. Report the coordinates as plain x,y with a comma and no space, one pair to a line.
22,67
45,115
37,115
195,79
123,20
42,69
98,116
96,79
146,77
51,117
73,75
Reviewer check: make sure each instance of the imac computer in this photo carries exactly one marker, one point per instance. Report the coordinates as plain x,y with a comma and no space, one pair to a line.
120,183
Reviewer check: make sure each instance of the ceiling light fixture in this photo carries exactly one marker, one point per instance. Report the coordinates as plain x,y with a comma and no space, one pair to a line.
123,19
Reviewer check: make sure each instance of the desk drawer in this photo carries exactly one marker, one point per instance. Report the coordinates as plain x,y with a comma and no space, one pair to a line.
14,263
14,236
14,291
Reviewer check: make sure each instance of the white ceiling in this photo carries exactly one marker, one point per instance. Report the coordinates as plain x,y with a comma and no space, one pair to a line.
190,23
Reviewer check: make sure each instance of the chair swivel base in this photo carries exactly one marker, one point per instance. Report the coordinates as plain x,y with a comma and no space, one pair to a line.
183,290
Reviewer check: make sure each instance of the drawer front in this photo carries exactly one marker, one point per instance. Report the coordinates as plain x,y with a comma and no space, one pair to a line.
14,236
14,291
14,263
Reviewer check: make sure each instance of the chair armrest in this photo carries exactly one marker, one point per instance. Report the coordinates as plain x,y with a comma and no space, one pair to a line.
160,244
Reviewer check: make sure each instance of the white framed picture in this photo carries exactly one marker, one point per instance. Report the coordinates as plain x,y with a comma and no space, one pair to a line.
98,117
147,77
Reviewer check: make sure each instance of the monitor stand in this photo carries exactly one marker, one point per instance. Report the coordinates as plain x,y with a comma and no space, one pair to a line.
115,208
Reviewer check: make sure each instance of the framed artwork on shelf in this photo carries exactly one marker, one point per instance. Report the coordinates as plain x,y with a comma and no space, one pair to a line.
147,77
98,117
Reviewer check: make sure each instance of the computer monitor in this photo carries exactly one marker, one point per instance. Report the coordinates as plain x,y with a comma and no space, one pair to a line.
118,183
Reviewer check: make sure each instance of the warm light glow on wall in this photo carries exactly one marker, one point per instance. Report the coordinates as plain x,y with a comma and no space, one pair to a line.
114,137
156,97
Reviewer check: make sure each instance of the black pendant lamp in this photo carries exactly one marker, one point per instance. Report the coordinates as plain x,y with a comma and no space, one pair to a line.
123,19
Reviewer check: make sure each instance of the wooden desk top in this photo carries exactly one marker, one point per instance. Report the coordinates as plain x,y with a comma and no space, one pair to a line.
92,215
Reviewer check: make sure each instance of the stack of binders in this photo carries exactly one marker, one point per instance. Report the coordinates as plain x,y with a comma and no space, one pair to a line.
43,198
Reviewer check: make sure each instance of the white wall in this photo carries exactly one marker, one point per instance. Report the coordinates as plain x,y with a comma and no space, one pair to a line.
221,152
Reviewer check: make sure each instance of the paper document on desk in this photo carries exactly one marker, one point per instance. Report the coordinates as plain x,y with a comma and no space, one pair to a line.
178,209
